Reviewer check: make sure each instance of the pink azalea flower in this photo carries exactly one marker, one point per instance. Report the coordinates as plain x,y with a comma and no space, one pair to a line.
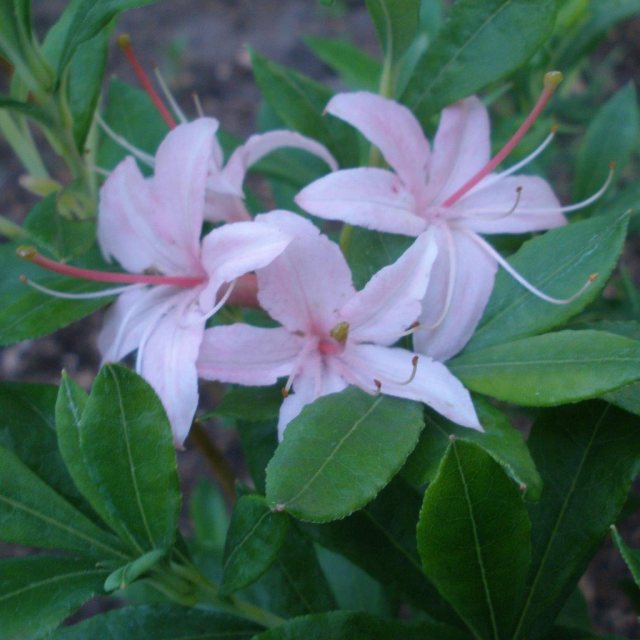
333,336
152,227
452,190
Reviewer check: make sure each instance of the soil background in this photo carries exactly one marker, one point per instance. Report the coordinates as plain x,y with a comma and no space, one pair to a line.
200,46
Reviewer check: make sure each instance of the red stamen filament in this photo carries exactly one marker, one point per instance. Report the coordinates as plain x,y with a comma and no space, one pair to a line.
30,253
125,44
551,81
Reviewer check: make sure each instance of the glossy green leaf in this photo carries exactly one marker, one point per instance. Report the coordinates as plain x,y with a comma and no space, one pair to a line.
396,23
38,592
611,137
299,102
587,455
481,42
500,440
33,514
550,369
160,622
572,253
340,452
390,554
256,535
123,576
346,625
356,68
473,539
126,444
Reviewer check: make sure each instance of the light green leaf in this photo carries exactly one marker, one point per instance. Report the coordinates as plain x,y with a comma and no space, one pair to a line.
473,538
123,576
550,369
340,452
396,23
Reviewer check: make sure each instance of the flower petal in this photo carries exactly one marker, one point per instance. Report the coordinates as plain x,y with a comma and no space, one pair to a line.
473,276
247,355
461,148
432,383
391,300
305,286
371,198
221,207
392,128
537,207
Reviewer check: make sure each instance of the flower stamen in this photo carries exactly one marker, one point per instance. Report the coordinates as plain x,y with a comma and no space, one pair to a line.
166,92
120,140
77,296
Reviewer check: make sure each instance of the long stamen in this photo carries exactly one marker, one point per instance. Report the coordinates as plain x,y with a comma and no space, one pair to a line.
523,281
198,104
118,139
551,81
505,214
169,96
125,44
31,254
105,293
530,158
409,380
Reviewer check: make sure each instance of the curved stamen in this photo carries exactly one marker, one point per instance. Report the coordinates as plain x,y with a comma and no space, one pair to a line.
105,293
31,254
521,279
530,158
196,101
490,214
451,254
169,96
124,41
297,366
118,139
414,369
551,81
222,300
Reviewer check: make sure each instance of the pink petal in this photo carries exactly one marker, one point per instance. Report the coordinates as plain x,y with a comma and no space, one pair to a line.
235,249
305,286
371,198
247,355
225,208
461,148
482,207
432,383
473,282
316,378
392,128
391,300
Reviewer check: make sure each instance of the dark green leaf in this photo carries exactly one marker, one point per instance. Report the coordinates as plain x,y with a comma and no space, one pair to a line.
611,137
340,452
550,369
123,576
256,535
473,538
587,455
26,109
33,514
396,23
126,444
160,622
210,518
251,404
500,440
574,252
346,625
38,592
630,556
481,42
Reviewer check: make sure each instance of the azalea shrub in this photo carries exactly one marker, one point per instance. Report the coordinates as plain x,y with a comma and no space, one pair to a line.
413,316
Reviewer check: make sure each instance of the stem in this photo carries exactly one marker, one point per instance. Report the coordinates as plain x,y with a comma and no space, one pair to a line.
218,465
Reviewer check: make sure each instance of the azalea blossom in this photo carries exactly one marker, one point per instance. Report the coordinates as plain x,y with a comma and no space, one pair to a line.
452,190
333,336
176,281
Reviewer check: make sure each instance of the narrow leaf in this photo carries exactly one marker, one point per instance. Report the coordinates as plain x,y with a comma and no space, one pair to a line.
396,23
340,452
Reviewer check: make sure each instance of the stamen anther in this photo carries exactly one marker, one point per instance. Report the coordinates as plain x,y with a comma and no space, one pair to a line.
26,253
378,386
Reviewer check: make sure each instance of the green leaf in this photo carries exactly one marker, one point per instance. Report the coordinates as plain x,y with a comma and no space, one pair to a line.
256,535
390,554
347,625
587,455
577,250
299,102
630,556
611,137
26,109
500,440
476,550
480,43
38,592
210,518
356,68
131,114
550,369
126,443
123,576
251,404
340,452
33,514
160,622
396,23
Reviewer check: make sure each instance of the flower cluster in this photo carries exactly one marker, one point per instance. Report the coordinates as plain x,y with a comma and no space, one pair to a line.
330,335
